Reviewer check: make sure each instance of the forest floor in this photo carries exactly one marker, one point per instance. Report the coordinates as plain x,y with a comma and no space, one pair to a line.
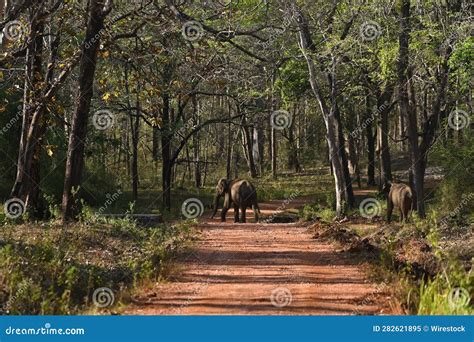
265,268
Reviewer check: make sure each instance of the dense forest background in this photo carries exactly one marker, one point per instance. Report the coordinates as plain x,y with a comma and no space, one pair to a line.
113,106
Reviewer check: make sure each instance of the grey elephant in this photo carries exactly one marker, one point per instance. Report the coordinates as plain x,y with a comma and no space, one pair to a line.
401,196
240,194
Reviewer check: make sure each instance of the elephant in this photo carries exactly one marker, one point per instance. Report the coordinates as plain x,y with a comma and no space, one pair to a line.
401,196
239,193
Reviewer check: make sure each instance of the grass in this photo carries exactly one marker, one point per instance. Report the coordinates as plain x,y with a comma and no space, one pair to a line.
417,243
51,269
46,268
285,186
442,297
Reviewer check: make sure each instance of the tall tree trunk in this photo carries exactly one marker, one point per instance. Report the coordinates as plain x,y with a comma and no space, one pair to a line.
383,108
27,181
75,153
258,144
166,137
134,119
230,142
293,161
354,158
340,140
430,124
306,44
370,144
273,142
405,109
33,196
197,146
247,140
348,191
135,125
155,143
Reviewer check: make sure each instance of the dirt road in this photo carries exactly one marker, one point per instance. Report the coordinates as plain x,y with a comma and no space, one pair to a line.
269,269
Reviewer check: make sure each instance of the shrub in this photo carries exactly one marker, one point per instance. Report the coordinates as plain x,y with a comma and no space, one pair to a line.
54,269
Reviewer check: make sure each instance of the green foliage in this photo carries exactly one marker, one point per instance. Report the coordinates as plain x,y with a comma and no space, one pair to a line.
461,62
54,270
315,211
457,188
10,123
448,293
293,81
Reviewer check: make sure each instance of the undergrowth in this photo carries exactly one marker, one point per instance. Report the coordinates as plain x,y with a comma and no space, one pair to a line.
51,269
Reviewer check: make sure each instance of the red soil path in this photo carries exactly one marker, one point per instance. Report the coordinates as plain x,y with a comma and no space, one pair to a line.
271,269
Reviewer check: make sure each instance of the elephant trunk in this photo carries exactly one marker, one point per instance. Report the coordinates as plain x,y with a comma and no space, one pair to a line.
216,205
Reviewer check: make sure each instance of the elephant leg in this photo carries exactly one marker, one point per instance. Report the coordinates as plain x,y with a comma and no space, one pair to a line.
402,216
389,210
223,213
236,213
406,214
243,216
255,212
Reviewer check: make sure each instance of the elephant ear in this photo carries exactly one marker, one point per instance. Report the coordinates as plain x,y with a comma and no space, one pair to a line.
386,187
226,184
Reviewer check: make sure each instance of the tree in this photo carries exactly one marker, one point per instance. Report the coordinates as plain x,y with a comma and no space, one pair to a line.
331,116
98,10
